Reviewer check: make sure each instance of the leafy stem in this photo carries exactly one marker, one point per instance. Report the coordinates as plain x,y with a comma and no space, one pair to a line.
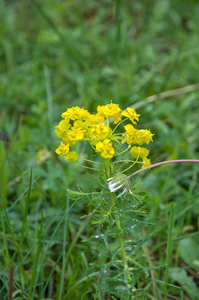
124,259
118,224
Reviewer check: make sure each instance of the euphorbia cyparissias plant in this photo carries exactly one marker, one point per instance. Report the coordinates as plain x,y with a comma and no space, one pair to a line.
100,130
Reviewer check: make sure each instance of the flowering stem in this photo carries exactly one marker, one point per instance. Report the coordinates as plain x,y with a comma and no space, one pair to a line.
164,163
118,224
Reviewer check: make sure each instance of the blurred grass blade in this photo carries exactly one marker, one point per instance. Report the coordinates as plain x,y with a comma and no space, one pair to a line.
118,33
52,271
169,248
64,253
69,48
11,281
23,278
49,97
18,199
5,241
37,256
96,290
80,281
49,243
26,212
82,227
3,172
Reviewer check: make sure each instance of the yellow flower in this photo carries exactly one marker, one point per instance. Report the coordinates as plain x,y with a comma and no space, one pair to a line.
71,156
75,135
130,135
75,113
91,120
66,115
61,129
138,151
143,136
110,110
135,136
146,162
62,149
105,148
100,130
131,114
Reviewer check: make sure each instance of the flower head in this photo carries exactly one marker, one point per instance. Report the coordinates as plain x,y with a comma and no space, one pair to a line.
100,130
61,129
62,149
138,152
71,156
105,148
131,114
143,136
146,162
80,125
110,110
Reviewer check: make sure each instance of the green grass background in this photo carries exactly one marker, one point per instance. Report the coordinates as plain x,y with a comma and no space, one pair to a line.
59,54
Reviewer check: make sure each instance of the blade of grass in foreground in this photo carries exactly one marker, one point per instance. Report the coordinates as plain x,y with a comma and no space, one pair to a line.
79,282
51,273
18,199
49,243
5,241
23,277
169,244
82,227
49,97
64,253
37,257
26,212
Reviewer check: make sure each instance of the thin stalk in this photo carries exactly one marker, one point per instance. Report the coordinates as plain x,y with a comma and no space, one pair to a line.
23,274
49,96
164,163
5,241
36,257
11,281
118,24
118,224
25,212
64,253
169,244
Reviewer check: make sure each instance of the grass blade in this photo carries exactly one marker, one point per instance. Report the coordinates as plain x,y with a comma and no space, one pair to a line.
169,248
49,97
64,253
37,257
26,212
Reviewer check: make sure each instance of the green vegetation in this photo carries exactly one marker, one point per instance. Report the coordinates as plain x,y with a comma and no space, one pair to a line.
59,54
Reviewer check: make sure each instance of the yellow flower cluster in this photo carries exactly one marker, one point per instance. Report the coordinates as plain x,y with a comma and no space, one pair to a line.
79,125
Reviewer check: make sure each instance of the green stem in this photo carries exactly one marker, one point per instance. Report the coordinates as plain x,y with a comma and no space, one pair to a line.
118,224
169,247
5,240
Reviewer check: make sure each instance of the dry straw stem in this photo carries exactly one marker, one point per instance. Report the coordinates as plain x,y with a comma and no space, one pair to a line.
183,90
164,163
